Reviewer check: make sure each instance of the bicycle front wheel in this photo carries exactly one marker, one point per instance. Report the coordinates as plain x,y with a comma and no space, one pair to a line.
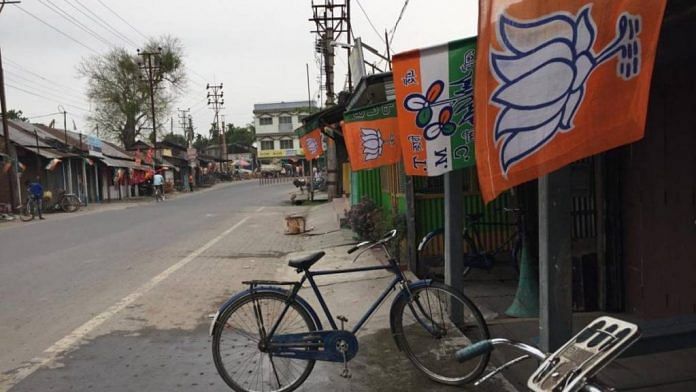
26,213
432,325
431,252
236,350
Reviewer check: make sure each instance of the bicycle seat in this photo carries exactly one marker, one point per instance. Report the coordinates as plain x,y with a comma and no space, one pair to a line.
474,217
306,261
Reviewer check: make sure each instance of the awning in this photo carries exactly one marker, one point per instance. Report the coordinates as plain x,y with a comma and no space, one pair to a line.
112,162
328,116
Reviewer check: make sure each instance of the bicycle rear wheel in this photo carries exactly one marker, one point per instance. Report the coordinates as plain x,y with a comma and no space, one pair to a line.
70,203
432,253
236,351
431,328
26,213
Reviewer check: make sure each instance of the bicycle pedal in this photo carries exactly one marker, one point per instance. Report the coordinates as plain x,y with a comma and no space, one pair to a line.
345,373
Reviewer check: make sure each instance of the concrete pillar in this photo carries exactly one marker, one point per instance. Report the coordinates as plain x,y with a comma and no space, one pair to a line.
454,224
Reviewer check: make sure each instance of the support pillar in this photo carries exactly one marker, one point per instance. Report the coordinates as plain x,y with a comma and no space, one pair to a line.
555,260
454,224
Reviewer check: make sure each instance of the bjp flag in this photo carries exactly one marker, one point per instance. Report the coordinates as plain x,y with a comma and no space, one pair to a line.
435,106
371,136
311,144
557,81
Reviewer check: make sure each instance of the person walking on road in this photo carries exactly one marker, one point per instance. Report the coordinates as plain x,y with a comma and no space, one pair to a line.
190,181
36,191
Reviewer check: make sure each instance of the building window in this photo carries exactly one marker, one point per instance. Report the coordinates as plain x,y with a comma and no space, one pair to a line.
285,120
266,121
266,144
286,144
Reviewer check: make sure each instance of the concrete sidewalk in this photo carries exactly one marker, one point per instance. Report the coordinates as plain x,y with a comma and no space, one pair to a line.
379,365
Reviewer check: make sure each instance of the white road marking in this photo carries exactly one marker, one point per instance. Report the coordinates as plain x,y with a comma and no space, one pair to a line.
74,337
260,209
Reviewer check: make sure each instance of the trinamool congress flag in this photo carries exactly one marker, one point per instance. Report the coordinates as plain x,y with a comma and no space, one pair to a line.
371,136
435,107
558,81
311,144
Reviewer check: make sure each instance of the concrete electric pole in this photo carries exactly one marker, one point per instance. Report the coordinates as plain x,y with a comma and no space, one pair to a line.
216,102
151,66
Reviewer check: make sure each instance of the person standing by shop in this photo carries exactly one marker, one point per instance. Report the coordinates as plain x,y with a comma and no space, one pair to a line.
158,182
36,191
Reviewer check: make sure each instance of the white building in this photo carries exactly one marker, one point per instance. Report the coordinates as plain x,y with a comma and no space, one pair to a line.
275,124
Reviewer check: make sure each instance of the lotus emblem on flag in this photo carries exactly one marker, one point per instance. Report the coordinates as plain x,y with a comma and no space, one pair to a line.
372,143
542,71
312,145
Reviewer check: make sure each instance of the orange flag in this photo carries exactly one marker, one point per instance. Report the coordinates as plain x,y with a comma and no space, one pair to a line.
371,136
311,144
557,81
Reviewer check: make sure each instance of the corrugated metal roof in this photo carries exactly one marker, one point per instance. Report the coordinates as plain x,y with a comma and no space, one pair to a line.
22,134
281,106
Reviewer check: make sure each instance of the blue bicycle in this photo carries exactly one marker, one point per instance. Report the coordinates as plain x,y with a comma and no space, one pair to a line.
267,338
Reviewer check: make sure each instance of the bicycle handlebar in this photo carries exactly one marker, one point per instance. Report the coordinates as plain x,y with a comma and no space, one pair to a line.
388,236
473,351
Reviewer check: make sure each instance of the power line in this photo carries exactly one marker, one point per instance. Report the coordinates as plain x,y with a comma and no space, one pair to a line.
370,22
44,115
49,93
123,20
46,98
74,21
401,14
54,90
58,30
23,68
101,22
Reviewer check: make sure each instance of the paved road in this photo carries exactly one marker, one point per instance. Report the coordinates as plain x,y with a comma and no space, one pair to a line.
57,274
118,300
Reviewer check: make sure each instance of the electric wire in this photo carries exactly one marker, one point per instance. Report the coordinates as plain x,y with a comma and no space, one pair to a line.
122,19
58,30
47,93
401,15
53,90
101,22
72,20
46,98
15,64
370,22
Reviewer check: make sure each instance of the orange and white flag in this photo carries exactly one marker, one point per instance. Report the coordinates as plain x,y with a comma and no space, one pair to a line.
557,81
311,144
371,136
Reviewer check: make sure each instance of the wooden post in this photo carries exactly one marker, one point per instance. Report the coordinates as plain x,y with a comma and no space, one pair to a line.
555,260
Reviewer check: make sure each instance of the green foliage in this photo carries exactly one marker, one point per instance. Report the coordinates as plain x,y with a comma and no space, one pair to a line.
120,91
364,219
13,114
240,135
176,139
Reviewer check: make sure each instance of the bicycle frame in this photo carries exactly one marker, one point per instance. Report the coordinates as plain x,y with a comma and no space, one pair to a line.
309,276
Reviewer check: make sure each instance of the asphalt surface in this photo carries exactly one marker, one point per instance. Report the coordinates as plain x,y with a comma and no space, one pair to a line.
118,299
57,274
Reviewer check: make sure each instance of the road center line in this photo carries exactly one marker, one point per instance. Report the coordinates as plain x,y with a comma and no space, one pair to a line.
79,333
260,209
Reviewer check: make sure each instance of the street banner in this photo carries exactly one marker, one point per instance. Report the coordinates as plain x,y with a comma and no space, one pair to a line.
558,81
150,156
435,107
371,136
311,144
138,157
53,164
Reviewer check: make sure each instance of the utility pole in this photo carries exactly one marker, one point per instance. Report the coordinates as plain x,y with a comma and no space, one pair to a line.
189,134
14,198
215,99
151,66
69,187
331,19
183,122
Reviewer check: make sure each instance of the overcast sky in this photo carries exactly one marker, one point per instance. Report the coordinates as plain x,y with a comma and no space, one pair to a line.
258,49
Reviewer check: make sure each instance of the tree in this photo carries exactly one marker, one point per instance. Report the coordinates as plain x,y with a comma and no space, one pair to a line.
13,114
120,89
240,135
176,139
